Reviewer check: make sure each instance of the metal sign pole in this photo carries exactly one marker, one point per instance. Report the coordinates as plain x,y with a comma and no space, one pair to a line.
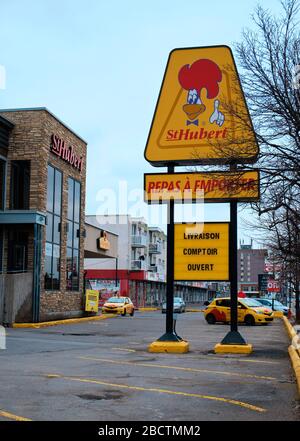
233,337
170,335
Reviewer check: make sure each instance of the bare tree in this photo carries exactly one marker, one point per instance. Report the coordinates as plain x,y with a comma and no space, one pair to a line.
269,57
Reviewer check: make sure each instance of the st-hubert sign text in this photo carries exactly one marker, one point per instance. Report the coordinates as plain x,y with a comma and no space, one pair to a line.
67,153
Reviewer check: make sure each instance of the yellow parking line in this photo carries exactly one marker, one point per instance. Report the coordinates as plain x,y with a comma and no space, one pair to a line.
162,391
160,366
244,360
11,416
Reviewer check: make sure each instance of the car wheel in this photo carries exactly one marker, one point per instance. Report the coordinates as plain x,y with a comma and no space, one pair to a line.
123,313
249,320
211,319
132,313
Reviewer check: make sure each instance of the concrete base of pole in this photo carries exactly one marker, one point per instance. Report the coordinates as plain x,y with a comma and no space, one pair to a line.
170,347
233,349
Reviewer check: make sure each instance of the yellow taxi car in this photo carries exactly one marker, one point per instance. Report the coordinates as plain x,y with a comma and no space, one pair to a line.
118,305
250,312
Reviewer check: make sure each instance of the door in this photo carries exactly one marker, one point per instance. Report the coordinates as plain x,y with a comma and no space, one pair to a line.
223,307
241,312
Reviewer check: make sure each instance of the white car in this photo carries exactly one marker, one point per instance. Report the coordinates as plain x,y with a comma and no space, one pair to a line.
274,304
178,305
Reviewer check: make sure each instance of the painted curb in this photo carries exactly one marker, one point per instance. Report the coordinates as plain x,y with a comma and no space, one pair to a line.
147,309
194,310
290,329
294,350
170,347
233,349
59,322
295,360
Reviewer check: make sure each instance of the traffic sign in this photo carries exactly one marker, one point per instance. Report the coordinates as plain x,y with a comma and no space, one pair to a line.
210,187
201,251
201,114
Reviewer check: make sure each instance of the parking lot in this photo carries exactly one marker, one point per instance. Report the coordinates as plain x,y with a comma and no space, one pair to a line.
101,371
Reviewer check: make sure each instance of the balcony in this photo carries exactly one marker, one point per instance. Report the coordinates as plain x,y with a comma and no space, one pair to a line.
155,248
138,265
152,268
139,241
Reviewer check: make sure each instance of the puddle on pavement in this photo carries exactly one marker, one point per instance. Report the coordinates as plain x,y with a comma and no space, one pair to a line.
106,395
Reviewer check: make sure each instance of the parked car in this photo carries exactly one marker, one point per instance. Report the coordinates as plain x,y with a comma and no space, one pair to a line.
118,305
250,311
274,304
178,305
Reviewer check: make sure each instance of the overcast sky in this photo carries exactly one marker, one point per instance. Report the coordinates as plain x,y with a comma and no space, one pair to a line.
98,66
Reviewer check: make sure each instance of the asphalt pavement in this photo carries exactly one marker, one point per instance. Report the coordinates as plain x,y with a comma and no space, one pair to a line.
101,371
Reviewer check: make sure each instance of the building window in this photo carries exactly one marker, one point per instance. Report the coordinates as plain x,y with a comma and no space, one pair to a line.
17,256
19,185
2,183
53,228
73,257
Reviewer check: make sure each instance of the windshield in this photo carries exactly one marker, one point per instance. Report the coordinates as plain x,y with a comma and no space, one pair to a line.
178,299
251,303
115,300
269,302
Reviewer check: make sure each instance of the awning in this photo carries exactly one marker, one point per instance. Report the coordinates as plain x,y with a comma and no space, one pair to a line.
15,217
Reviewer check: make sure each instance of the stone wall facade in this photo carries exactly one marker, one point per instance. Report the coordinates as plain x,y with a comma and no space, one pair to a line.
30,140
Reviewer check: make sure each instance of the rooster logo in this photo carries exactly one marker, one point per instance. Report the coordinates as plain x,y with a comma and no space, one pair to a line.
202,74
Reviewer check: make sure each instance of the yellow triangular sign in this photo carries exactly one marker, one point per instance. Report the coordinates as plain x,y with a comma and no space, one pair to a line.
201,115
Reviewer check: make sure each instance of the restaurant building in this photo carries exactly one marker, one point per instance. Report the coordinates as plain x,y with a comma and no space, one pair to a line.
42,217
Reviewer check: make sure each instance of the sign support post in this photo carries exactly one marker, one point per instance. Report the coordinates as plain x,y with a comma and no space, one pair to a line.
170,341
233,337
170,335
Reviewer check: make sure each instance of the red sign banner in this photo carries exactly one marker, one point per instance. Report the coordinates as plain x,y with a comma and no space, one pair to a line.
273,286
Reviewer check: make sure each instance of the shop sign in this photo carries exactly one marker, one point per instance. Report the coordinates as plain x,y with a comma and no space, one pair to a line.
210,187
67,153
273,267
102,242
91,300
273,286
201,251
201,114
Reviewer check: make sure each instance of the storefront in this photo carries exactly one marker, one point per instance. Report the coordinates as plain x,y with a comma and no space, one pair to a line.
42,228
101,244
143,290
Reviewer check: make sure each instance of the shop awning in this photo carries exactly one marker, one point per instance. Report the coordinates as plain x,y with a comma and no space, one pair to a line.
14,217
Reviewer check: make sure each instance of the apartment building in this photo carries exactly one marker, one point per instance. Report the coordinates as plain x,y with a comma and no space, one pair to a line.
251,263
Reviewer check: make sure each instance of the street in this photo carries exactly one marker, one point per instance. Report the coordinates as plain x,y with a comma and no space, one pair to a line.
101,371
